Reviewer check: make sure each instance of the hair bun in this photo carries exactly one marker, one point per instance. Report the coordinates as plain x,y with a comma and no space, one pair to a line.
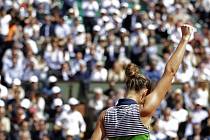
132,71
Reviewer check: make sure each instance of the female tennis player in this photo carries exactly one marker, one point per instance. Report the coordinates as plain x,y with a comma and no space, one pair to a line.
130,118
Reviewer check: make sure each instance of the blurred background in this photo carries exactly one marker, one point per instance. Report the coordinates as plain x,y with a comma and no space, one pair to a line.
62,63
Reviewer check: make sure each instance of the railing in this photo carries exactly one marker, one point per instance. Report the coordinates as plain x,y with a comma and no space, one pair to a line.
82,90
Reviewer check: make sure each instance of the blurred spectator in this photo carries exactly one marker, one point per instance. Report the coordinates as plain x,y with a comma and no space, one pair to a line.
179,113
16,90
68,4
13,71
75,63
79,37
185,128
201,93
110,91
99,73
196,133
46,29
18,118
5,19
168,125
116,73
97,102
174,98
50,84
131,19
90,8
56,109
24,133
152,72
66,73
54,55
72,121
198,114
5,121
156,134
83,74
62,30
185,73
33,85
187,93
206,125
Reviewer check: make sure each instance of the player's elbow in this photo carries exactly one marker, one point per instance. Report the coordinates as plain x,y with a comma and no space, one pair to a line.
170,70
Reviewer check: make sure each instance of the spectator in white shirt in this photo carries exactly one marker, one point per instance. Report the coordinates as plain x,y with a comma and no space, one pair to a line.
75,63
97,102
202,72
206,5
99,73
179,113
4,22
90,8
139,34
14,71
30,44
185,73
202,93
100,48
168,125
62,29
72,121
28,29
198,114
156,134
80,39
110,4
29,71
15,51
54,56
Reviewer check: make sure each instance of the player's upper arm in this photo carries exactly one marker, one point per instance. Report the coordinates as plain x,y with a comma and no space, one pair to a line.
99,133
154,99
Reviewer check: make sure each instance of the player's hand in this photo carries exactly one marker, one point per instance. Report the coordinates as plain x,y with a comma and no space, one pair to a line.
187,31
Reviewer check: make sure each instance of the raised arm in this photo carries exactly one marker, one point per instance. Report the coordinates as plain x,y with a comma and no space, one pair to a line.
154,99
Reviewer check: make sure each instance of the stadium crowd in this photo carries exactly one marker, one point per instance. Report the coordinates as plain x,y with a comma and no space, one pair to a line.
43,42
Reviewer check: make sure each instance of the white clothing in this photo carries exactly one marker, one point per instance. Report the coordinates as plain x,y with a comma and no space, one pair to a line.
204,96
80,39
3,91
170,127
72,121
62,31
97,105
198,116
54,58
180,115
99,75
4,24
90,8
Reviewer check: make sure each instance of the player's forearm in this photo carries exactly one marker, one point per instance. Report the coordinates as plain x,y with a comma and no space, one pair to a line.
177,57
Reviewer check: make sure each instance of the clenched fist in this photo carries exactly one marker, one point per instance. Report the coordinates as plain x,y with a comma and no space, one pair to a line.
187,31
